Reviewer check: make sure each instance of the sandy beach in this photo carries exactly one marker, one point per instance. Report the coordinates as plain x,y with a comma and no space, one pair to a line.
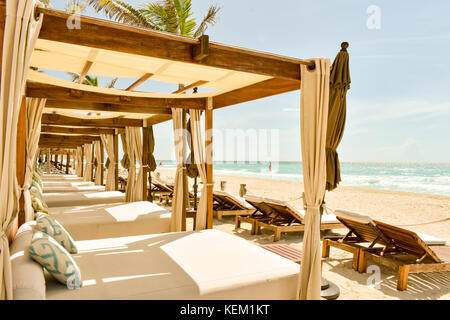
409,210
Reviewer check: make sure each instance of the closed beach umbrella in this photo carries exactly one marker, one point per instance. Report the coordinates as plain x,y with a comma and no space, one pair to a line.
125,160
148,159
191,167
339,84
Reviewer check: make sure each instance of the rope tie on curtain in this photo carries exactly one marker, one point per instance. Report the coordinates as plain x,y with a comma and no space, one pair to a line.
314,207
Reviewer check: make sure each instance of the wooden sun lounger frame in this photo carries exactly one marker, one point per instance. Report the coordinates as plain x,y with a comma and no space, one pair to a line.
387,255
275,221
229,207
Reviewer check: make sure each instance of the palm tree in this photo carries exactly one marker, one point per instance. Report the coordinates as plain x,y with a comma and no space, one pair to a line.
173,16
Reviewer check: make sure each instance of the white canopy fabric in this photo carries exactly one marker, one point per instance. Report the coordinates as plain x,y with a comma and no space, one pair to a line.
87,174
20,34
176,222
108,142
67,57
197,145
313,119
98,172
35,107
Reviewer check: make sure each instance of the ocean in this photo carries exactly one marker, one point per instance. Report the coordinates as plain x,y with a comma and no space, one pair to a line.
417,178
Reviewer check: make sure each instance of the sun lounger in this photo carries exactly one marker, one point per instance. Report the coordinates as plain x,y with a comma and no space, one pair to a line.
113,220
229,205
397,248
261,212
61,177
207,264
280,217
66,199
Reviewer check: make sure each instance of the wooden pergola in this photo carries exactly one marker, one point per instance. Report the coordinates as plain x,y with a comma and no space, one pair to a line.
232,74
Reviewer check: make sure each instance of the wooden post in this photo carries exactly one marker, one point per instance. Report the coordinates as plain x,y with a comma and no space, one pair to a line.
48,160
67,162
185,180
92,162
21,156
209,160
145,169
102,163
116,158
82,161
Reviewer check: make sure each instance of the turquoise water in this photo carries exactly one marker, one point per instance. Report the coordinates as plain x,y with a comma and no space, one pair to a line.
417,178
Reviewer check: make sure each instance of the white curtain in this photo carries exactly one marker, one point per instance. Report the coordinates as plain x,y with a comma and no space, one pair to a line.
98,155
176,222
87,175
197,145
108,142
20,34
134,183
313,120
79,163
34,106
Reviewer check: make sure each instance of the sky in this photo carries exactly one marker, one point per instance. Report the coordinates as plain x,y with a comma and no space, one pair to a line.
398,106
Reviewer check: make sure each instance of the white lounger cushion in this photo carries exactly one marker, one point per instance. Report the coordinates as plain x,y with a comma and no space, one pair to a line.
54,189
61,177
240,200
67,183
66,199
207,264
28,275
112,220
354,216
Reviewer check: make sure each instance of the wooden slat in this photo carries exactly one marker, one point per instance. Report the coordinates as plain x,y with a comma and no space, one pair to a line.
56,119
139,81
124,103
192,85
102,34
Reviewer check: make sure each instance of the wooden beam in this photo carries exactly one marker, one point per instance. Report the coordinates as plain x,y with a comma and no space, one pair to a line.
107,102
85,71
192,85
102,34
60,138
209,162
56,119
108,107
139,81
201,50
255,91
82,131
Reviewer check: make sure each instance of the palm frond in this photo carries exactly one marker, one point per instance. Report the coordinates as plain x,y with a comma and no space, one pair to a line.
122,12
75,6
209,19
163,15
184,11
112,83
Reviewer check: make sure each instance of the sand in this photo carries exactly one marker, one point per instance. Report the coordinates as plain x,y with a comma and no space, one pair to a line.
397,208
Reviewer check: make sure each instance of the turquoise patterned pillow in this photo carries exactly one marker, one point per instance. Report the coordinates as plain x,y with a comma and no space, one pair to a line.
35,177
34,184
55,259
54,229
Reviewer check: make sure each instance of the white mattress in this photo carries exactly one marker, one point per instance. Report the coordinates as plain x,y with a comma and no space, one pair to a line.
206,264
58,183
61,177
61,189
113,220
67,199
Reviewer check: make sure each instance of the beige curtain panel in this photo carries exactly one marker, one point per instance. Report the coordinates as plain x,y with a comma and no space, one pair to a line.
108,142
79,163
313,121
35,107
20,34
176,223
98,171
87,174
134,182
197,147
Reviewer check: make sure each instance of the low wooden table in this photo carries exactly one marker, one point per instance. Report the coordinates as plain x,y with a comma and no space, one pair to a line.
285,250
191,213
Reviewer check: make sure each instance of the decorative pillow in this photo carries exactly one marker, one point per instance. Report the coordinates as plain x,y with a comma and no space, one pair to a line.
54,229
37,178
55,259
38,204
34,184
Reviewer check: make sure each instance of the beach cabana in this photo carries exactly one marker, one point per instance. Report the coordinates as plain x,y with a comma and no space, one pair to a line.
234,75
